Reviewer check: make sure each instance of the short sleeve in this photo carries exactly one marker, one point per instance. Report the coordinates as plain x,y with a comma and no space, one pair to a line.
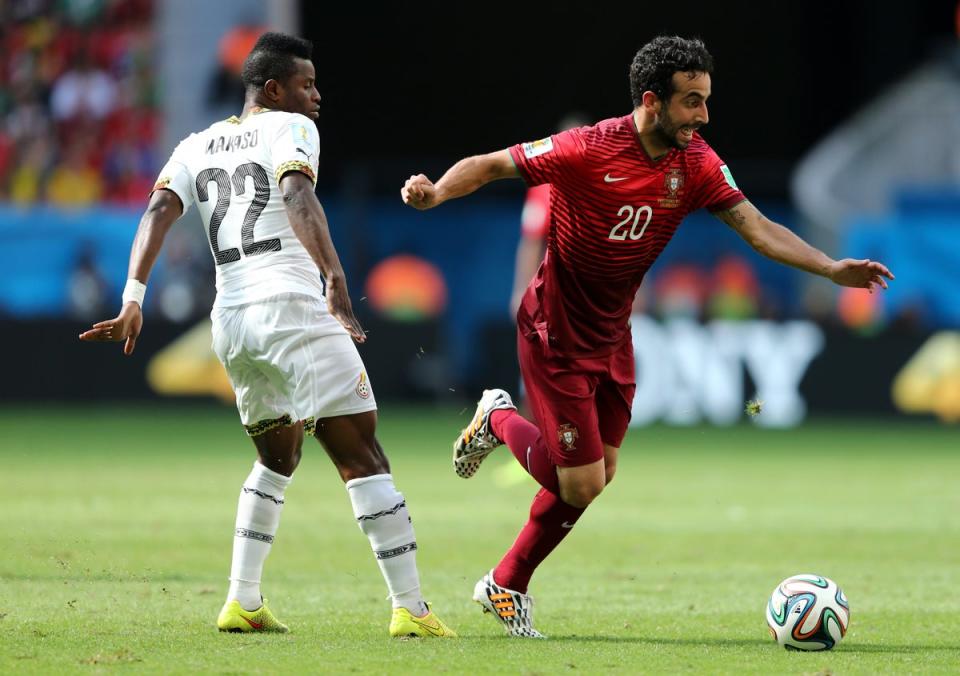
296,147
536,212
549,160
176,177
717,191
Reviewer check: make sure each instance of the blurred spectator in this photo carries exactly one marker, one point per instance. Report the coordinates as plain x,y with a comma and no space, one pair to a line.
82,91
75,182
27,178
78,118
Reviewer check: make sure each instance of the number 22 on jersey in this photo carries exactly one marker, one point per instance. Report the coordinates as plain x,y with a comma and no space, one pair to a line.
238,185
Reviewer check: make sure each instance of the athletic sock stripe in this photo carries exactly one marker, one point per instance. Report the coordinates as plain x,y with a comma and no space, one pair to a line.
387,512
253,535
261,494
390,553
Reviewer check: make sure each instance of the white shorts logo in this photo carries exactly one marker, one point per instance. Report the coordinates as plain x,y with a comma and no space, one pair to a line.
363,389
541,147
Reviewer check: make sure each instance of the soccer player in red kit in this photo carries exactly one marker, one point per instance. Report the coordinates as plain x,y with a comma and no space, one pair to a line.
620,189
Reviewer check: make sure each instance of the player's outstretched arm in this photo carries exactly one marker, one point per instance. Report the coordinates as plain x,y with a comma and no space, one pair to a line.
780,244
162,211
463,178
309,223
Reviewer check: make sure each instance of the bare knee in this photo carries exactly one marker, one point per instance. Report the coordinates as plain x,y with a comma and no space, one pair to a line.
581,493
280,449
351,443
609,469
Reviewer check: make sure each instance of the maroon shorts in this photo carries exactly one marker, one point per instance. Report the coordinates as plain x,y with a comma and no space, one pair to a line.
579,404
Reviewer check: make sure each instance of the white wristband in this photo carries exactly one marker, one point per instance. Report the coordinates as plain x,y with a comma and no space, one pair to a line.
134,291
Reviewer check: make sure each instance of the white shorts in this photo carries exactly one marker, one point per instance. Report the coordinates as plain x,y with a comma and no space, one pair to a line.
288,359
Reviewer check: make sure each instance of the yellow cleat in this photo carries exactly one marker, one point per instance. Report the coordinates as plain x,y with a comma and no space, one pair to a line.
405,624
234,618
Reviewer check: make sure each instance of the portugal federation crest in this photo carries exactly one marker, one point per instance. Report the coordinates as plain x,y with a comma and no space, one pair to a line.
568,434
674,181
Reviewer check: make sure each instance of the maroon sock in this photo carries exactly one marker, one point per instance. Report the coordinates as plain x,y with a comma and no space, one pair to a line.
550,521
527,445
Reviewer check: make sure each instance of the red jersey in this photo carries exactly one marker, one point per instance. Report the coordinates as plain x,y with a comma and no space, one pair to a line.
535,219
612,211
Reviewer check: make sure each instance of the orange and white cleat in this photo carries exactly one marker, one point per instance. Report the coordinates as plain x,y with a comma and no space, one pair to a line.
477,440
513,609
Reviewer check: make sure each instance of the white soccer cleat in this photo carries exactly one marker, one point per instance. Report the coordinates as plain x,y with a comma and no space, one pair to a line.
477,440
513,609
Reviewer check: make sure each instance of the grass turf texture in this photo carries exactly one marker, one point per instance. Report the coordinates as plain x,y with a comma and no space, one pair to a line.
119,525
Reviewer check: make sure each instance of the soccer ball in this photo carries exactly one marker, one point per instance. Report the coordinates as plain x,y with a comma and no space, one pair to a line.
808,612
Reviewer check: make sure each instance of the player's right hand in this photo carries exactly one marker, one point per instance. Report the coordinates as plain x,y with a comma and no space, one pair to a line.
338,304
125,326
419,192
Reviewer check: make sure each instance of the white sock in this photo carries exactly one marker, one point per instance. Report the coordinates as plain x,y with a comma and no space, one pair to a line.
258,515
381,513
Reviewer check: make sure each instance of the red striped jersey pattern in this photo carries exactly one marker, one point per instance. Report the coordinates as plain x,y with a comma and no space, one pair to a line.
612,211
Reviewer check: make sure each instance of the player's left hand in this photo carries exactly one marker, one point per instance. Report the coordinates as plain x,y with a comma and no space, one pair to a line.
125,326
419,192
862,274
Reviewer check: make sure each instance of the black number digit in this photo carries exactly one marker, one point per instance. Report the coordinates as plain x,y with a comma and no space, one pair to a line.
220,177
261,195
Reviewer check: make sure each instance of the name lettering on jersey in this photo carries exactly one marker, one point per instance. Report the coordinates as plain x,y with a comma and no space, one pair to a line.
673,182
248,139
535,148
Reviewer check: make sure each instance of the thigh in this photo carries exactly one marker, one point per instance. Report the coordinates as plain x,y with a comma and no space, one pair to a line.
262,392
319,362
562,402
615,397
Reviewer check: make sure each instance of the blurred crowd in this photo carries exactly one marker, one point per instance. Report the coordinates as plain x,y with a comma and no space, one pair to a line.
78,104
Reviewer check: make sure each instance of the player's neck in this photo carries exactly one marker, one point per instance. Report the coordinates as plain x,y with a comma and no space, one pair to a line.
649,139
253,106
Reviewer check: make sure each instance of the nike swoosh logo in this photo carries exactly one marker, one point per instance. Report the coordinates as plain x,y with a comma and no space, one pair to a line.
255,625
566,524
434,629
528,459
610,179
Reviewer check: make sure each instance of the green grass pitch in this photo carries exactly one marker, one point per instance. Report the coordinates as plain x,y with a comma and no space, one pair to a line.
118,526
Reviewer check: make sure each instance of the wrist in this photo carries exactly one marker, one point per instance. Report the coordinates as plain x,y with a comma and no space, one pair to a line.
134,291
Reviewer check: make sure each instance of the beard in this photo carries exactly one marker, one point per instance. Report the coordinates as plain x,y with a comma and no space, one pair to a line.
668,130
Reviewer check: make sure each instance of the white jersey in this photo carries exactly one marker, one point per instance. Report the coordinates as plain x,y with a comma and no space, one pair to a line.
232,172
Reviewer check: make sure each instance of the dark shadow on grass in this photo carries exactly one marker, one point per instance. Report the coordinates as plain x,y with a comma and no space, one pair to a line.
851,647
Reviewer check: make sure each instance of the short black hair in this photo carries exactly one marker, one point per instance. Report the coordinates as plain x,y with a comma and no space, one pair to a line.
272,59
656,62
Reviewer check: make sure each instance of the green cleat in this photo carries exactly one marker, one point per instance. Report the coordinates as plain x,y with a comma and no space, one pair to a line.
234,618
404,624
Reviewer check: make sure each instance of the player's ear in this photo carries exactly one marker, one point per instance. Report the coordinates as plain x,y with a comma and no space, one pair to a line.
273,90
651,102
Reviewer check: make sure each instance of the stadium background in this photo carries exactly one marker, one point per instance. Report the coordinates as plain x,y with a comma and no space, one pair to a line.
93,96
840,119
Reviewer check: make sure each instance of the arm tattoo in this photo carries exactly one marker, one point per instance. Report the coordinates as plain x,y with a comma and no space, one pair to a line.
735,217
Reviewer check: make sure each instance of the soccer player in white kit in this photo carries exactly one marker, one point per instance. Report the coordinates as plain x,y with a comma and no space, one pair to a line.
282,325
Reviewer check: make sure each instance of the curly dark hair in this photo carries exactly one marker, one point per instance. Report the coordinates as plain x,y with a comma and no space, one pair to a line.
656,62
272,59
